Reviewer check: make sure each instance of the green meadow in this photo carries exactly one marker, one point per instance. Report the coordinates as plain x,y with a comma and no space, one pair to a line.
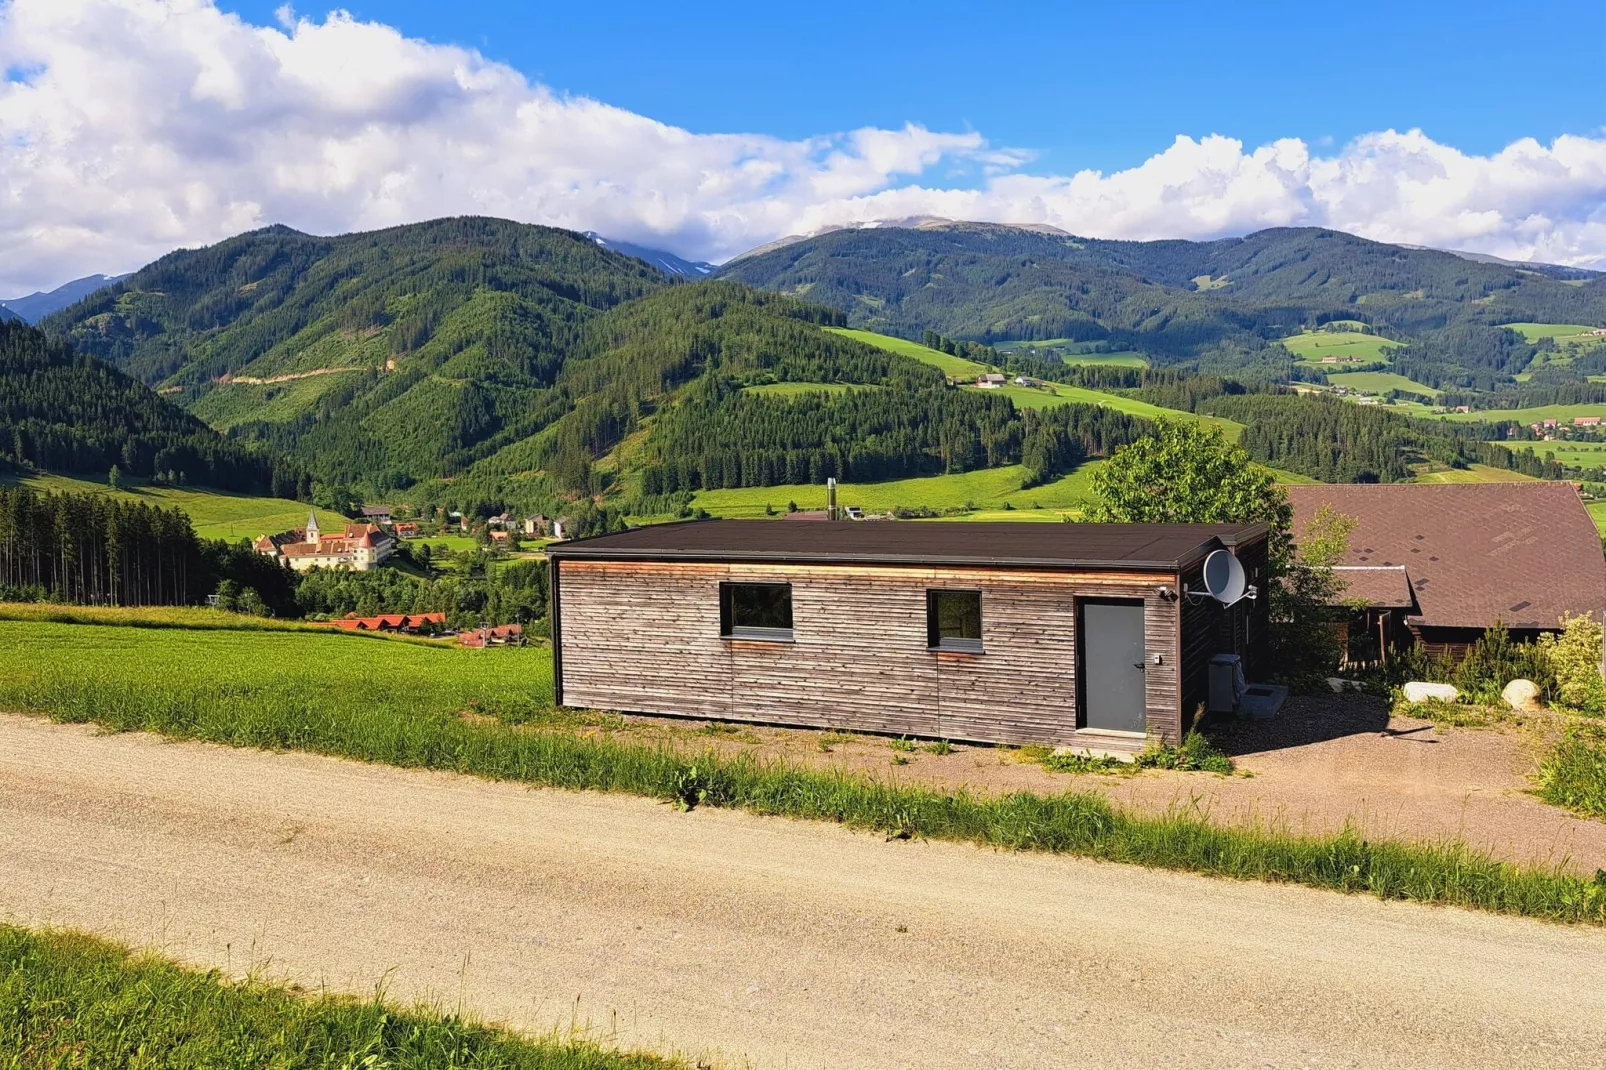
1561,413
986,490
1561,332
1572,454
1597,512
215,514
1476,473
1311,346
1380,383
1032,397
950,365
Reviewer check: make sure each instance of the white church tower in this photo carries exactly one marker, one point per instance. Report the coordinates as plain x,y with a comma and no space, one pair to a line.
312,526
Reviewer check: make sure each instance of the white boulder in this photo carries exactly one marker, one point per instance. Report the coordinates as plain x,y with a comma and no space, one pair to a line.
1337,684
1418,691
1521,695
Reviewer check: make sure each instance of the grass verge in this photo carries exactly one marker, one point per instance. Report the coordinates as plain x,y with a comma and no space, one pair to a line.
68,1000
419,724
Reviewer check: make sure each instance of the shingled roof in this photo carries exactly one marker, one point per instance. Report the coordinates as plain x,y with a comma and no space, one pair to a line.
1522,554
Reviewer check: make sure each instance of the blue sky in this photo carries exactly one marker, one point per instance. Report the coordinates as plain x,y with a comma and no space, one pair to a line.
1084,85
137,126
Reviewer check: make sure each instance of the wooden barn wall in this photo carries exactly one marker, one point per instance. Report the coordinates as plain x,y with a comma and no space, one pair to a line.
644,637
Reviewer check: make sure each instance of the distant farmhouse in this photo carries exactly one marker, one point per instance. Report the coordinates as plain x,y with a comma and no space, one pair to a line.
991,381
360,547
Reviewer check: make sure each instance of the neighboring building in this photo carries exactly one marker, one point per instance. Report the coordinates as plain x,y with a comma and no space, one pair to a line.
991,381
563,527
405,529
408,623
498,635
376,514
499,536
359,547
1096,636
1586,421
500,520
1437,564
1025,380
537,525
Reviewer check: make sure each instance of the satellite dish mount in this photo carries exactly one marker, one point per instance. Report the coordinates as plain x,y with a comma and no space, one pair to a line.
1224,580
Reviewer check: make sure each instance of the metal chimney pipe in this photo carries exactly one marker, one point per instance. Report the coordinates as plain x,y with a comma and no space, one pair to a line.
830,498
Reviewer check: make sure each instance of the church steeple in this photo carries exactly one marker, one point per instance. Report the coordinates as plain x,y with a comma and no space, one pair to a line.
312,525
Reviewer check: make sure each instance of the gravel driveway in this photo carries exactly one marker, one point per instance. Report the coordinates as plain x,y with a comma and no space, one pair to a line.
759,941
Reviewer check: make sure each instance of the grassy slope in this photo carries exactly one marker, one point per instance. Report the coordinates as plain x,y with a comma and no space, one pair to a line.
1477,473
951,366
1561,332
215,514
1380,383
792,390
1564,413
986,492
987,489
330,694
71,1000
1031,397
1597,512
1312,346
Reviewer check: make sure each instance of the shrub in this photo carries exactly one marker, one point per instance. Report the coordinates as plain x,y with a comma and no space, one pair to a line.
1495,660
1574,774
1574,657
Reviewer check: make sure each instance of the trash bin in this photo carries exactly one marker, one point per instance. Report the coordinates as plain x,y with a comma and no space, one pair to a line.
1226,683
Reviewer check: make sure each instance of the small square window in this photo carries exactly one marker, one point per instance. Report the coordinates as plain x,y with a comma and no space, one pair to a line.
755,611
953,620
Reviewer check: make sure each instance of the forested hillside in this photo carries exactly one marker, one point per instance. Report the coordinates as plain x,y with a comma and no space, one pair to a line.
68,412
1223,301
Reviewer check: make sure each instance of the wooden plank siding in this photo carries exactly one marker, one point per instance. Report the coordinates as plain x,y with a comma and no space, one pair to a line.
643,636
1208,628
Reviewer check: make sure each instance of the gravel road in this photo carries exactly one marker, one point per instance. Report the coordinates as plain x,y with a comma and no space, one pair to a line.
756,941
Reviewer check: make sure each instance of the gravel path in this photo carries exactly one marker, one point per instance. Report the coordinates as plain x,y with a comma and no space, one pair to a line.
757,941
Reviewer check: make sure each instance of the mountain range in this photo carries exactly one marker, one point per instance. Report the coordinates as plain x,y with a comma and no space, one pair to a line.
39,304
477,360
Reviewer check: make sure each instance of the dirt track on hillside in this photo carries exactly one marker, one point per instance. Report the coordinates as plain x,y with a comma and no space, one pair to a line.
756,940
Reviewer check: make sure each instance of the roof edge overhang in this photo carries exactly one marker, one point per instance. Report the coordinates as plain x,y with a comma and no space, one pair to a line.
905,560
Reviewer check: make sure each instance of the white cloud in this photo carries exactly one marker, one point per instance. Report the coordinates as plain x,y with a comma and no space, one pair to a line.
131,127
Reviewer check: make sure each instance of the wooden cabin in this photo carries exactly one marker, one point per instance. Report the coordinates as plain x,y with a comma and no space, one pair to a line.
1434,565
1095,636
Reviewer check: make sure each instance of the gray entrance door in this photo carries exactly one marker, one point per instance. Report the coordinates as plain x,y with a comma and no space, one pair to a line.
1111,642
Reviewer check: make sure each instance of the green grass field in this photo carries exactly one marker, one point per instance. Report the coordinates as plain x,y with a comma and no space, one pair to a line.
1597,511
287,677
215,514
1561,332
1380,383
1071,353
1561,413
1031,397
69,1001
951,366
986,490
1311,346
1477,473
985,493
1572,454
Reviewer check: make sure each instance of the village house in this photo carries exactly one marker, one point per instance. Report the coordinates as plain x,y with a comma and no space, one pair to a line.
1437,564
405,623
563,528
500,537
1099,637
1586,421
495,635
359,547
537,525
991,380
377,514
405,529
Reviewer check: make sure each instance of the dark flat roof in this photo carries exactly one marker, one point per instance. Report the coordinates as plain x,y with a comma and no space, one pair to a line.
908,542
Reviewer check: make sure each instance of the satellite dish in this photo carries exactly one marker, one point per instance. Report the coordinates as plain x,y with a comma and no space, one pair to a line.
1224,577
